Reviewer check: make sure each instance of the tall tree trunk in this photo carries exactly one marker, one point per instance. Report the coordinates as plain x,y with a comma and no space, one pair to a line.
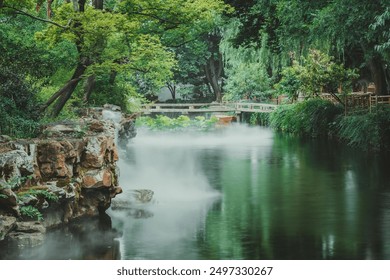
98,4
378,75
213,70
89,85
82,5
377,69
79,5
112,77
48,10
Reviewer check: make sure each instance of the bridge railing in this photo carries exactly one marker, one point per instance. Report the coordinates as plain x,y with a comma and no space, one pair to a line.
207,107
255,107
174,106
185,108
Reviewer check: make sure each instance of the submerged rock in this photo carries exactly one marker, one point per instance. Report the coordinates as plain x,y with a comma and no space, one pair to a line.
135,203
133,198
143,196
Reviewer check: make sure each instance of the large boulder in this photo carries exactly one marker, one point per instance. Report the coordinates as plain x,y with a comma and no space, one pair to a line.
14,164
98,178
8,201
27,234
74,160
126,131
7,223
56,159
99,150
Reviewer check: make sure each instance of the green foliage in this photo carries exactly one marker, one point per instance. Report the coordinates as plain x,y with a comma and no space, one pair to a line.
40,193
180,123
245,68
26,67
380,25
259,119
369,131
14,182
314,117
290,83
31,212
135,39
247,80
317,73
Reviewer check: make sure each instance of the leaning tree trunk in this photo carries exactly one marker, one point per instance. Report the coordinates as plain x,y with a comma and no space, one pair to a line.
63,95
69,89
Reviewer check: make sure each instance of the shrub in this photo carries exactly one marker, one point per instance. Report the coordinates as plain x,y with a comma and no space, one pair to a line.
162,122
18,109
314,117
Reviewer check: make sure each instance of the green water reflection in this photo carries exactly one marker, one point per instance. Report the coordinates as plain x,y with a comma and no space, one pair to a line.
302,200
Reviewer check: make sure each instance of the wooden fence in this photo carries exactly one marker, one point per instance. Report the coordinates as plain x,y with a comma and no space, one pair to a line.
358,101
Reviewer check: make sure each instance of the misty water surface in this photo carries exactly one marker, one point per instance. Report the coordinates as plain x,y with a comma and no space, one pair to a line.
236,193
245,193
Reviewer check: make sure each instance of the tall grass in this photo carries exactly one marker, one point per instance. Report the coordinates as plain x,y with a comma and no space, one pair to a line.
369,132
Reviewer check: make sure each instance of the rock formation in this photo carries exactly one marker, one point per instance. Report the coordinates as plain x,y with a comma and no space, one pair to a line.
69,172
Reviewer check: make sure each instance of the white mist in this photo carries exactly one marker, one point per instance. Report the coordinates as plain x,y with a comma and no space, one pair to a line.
169,164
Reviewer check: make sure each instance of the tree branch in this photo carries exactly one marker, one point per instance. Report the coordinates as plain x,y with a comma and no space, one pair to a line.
20,12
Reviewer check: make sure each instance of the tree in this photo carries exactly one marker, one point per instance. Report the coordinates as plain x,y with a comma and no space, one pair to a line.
316,74
129,36
354,32
347,27
381,26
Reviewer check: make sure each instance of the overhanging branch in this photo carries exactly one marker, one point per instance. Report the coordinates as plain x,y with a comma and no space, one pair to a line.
20,12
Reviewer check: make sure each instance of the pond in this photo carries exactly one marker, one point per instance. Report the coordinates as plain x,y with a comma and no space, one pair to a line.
237,193
247,193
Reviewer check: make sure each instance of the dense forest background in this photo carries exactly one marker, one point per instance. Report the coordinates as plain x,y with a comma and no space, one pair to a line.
60,55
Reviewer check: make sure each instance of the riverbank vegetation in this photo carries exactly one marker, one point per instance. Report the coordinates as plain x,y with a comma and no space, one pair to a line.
63,55
321,118
181,123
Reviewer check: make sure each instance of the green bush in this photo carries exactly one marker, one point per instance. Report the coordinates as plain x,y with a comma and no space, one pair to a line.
18,114
369,132
180,123
314,117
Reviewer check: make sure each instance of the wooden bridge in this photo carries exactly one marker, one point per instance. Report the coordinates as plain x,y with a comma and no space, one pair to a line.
352,103
236,108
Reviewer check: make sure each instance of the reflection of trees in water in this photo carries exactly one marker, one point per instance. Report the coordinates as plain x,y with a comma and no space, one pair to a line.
308,199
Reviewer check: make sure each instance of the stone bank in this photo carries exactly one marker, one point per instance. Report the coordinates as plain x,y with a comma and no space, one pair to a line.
67,173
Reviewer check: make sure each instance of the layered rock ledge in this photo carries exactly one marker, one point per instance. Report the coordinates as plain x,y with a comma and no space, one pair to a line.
68,173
